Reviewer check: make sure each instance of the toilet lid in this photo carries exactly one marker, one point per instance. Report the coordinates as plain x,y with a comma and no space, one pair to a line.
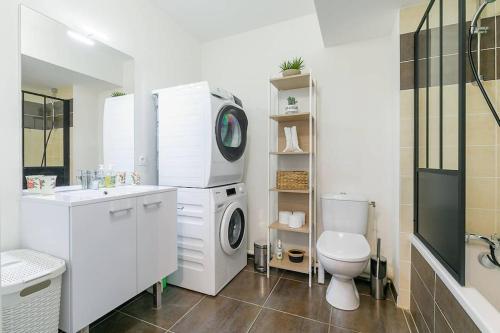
343,246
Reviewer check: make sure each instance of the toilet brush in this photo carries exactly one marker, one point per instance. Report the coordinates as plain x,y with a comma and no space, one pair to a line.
288,139
295,140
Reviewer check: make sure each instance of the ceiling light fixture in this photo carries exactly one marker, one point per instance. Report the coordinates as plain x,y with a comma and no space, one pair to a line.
81,38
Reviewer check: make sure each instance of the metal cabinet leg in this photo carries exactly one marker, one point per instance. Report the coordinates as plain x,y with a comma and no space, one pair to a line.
157,295
84,330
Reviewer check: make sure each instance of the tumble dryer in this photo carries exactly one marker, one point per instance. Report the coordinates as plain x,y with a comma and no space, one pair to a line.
202,135
211,237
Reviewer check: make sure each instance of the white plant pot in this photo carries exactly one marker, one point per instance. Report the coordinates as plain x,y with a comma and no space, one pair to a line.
292,108
289,72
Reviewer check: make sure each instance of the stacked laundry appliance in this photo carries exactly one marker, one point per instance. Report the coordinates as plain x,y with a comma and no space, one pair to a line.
202,135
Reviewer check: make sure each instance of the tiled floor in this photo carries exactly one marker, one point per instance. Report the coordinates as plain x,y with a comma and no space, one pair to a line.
253,303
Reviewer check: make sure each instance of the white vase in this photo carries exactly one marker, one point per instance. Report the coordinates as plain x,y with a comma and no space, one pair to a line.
289,72
292,108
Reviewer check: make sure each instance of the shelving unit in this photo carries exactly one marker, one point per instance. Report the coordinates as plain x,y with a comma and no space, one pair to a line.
303,87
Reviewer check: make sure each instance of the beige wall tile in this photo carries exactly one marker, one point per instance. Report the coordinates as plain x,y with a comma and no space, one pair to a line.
475,102
406,104
406,161
404,247
480,130
480,193
409,17
404,274
406,190
450,99
406,218
450,12
450,158
480,221
481,161
450,130
404,298
406,132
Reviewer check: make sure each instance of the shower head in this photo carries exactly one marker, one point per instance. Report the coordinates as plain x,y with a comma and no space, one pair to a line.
482,6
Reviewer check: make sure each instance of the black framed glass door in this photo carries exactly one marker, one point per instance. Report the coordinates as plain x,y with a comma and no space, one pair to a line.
439,133
46,147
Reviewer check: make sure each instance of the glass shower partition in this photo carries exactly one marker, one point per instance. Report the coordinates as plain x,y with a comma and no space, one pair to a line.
46,123
439,133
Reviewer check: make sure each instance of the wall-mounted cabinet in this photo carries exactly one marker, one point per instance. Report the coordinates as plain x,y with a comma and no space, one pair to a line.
290,154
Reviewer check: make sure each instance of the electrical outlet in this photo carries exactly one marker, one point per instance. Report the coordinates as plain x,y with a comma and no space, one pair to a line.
142,161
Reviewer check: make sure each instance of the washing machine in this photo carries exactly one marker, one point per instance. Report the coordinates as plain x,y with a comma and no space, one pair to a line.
212,230
202,136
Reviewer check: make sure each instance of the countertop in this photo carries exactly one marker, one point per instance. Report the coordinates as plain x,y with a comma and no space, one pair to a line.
73,196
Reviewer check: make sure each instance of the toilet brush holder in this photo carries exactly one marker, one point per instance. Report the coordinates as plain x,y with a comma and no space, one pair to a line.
378,281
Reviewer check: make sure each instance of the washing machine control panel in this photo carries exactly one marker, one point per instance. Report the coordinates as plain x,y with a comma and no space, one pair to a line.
228,192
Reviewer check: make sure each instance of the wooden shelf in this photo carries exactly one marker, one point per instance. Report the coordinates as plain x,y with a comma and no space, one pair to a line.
292,116
291,82
290,191
289,153
285,263
278,226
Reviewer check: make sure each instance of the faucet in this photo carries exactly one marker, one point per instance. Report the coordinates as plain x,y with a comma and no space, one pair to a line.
493,242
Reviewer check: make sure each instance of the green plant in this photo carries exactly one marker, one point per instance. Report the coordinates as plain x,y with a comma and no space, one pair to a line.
291,100
295,63
117,93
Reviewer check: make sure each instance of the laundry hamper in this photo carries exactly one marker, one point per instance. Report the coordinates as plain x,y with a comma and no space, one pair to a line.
31,291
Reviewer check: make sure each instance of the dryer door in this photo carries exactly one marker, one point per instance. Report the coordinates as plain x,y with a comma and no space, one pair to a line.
231,132
232,228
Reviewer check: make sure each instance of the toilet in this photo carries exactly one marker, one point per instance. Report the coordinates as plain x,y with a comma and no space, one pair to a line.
342,248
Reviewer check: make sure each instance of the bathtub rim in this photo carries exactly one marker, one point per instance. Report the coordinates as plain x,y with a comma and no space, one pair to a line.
479,309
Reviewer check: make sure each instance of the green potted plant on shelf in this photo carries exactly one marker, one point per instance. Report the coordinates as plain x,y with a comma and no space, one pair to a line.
292,67
292,106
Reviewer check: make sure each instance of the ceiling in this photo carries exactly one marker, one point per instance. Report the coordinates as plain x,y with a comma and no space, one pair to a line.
43,75
214,19
343,21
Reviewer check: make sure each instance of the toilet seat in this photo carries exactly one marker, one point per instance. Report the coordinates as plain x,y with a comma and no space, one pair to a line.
343,246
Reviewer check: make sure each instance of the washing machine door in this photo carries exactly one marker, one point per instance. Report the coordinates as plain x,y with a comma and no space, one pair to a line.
232,228
231,132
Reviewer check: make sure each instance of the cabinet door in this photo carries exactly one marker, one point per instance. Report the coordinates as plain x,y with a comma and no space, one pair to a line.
156,238
103,258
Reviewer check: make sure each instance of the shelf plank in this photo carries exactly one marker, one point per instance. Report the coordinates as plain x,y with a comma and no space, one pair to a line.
291,82
290,191
289,153
278,226
285,263
291,116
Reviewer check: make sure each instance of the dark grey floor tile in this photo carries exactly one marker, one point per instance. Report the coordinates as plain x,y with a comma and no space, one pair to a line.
175,303
218,314
410,321
417,316
276,322
250,287
297,298
372,316
363,286
121,323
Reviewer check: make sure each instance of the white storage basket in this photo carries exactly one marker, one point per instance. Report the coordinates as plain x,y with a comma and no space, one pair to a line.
31,291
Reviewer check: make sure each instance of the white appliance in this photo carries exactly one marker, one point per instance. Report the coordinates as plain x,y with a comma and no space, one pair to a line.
343,250
211,237
118,133
202,135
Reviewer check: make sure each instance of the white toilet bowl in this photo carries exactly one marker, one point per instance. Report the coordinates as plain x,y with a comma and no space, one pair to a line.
343,255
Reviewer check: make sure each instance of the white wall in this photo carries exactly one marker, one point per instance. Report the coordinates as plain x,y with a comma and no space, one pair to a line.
358,91
164,55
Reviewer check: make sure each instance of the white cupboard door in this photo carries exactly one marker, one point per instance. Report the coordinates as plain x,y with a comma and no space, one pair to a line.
103,258
156,238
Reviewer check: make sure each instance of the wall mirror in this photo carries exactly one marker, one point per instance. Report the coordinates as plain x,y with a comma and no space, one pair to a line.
70,120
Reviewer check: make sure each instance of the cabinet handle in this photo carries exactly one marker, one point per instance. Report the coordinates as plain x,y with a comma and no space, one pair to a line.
114,211
180,208
156,203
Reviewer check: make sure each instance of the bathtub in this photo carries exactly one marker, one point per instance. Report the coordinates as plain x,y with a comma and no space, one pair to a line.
480,281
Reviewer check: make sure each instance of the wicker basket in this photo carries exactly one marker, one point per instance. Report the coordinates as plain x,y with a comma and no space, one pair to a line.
292,180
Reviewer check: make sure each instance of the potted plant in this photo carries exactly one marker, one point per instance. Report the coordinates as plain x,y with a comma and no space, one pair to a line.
292,67
292,106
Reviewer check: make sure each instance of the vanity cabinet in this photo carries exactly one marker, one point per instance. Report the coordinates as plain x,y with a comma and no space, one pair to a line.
115,246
